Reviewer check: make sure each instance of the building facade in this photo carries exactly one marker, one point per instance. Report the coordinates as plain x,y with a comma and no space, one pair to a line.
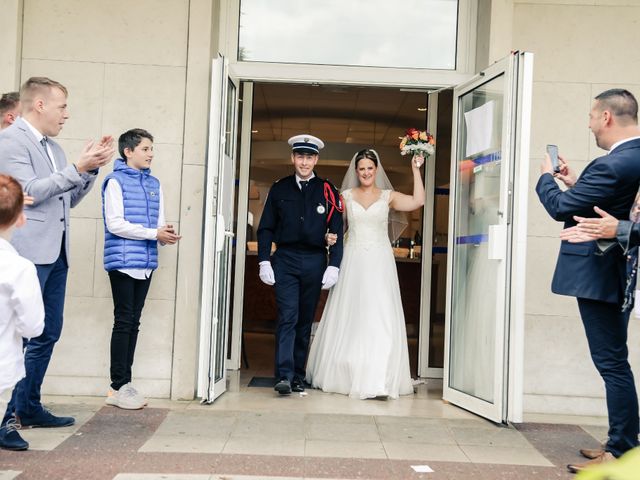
148,64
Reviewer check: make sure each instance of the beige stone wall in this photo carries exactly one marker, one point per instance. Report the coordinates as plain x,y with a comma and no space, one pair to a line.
128,64
147,63
581,48
11,41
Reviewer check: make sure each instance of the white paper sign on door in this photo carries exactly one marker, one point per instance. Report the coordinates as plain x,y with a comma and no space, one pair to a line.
479,122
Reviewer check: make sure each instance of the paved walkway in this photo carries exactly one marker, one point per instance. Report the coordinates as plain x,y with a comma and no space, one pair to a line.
250,433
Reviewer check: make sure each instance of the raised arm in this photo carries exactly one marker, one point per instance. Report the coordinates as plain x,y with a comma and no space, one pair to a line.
407,203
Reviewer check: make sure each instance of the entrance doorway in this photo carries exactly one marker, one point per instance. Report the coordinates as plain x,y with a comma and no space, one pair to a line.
489,120
347,119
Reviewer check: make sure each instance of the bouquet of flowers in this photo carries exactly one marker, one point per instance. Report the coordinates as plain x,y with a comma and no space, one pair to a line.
418,143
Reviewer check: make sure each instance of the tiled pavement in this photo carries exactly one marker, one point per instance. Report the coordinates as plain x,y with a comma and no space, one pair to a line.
251,433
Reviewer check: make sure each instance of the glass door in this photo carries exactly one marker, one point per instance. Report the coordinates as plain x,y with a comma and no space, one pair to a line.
434,236
219,233
486,147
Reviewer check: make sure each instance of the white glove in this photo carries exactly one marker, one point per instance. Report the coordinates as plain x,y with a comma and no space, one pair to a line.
266,273
330,277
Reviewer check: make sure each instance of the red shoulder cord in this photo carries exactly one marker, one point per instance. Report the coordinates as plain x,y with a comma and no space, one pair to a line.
330,197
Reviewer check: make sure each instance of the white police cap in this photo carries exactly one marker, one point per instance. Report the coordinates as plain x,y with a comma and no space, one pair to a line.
306,143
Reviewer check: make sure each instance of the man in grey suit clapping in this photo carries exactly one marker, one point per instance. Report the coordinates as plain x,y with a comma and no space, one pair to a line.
39,164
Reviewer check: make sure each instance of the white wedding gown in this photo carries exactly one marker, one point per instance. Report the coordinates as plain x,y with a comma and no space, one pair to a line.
360,347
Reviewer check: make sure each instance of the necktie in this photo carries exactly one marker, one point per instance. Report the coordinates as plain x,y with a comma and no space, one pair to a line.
304,184
43,142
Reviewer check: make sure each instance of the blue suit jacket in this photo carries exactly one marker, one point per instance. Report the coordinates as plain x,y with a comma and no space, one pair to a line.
609,182
54,192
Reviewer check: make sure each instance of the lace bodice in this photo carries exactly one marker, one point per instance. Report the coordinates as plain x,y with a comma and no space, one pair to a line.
367,227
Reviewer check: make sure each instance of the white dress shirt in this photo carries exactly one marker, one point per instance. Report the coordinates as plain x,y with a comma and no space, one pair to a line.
118,225
39,138
298,179
21,312
617,144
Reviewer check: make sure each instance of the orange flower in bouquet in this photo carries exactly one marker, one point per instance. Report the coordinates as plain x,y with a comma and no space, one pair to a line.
417,142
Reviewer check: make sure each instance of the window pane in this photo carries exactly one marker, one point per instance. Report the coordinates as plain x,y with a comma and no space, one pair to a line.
380,33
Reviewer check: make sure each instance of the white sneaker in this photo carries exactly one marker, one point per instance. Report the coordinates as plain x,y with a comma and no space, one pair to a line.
136,394
125,398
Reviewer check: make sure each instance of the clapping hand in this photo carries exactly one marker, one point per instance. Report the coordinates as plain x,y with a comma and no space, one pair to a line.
168,235
95,155
106,141
589,229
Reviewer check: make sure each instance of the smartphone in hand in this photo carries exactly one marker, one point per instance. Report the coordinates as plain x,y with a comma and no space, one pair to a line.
552,150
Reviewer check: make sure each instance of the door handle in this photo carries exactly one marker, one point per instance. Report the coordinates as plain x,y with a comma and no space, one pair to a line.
497,244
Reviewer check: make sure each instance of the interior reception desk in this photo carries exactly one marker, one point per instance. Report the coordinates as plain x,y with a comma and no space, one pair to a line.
259,313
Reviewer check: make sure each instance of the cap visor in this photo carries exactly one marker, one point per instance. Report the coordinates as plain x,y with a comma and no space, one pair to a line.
305,150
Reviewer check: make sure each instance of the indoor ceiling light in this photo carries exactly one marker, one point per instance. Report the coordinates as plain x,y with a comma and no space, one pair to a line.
422,109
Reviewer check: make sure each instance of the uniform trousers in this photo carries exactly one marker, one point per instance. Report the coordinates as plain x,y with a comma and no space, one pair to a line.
298,275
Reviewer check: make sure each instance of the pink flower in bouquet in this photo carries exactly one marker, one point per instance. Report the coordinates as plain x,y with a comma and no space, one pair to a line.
413,133
417,142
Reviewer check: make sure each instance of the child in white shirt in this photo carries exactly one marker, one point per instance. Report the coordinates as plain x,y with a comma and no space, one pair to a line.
21,309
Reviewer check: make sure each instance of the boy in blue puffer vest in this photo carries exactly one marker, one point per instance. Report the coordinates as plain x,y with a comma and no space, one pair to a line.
133,211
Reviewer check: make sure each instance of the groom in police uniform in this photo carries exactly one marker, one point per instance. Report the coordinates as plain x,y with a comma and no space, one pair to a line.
299,212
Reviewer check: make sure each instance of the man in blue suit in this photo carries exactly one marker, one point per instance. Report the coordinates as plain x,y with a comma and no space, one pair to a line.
28,154
597,279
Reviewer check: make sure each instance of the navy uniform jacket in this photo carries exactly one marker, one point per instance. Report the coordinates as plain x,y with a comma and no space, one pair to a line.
289,221
609,182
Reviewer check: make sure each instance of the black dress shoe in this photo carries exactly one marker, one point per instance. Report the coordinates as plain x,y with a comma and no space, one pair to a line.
45,419
283,387
10,439
297,385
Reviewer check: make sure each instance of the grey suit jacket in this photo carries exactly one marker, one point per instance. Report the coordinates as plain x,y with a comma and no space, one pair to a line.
25,159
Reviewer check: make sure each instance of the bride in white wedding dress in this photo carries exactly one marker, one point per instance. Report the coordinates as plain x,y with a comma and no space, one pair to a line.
360,347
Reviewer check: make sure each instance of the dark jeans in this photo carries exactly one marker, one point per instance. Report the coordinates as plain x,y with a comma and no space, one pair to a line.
129,295
25,400
298,283
606,329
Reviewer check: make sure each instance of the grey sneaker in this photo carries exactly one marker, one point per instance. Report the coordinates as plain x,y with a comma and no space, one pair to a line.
125,398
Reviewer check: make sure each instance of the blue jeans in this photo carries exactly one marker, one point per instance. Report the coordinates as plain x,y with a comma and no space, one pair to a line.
606,329
25,400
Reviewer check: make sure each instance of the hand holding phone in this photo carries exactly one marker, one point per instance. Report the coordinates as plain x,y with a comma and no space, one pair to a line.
552,150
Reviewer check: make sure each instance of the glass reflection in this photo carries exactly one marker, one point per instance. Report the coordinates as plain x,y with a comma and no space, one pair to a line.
475,276
418,34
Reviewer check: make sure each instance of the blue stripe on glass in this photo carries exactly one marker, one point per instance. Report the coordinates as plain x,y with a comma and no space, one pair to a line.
488,158
472,239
